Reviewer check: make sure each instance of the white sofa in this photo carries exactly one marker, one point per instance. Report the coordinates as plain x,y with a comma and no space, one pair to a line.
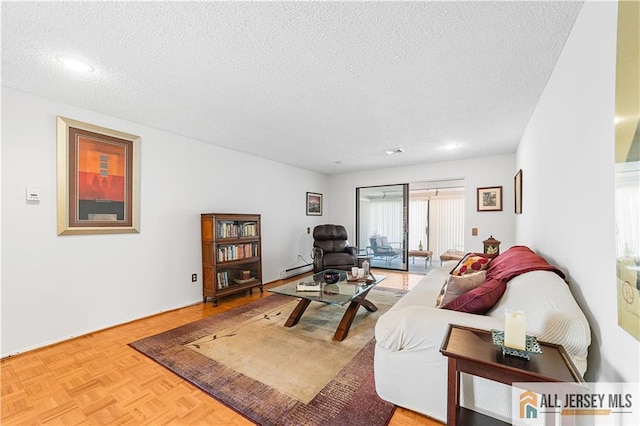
411,372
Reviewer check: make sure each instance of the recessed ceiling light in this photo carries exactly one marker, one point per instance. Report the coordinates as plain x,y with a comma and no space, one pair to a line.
394,151
75,64
451,146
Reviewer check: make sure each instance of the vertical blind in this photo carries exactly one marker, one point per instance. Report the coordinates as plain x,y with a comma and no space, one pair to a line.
441,217
435,220
446,223
418,223
384,218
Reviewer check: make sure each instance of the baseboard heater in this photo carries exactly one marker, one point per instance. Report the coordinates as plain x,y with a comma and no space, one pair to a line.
296,270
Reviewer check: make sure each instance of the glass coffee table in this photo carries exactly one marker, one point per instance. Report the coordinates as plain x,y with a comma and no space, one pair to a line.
339,293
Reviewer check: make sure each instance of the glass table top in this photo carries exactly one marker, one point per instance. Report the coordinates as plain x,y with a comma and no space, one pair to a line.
339,293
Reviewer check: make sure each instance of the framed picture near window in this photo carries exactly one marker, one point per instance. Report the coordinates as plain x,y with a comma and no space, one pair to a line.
490,199
517,191
98,179
314,204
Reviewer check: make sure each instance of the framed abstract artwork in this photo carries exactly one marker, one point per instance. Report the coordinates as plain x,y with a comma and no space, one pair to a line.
490,199
98,179
517,191
314,204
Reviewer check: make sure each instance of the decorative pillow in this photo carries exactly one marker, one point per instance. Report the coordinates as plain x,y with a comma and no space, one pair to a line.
480,299
441,294
470,263
458,285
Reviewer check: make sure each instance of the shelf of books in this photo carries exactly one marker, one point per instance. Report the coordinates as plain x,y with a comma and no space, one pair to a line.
233,229
237,251
231,254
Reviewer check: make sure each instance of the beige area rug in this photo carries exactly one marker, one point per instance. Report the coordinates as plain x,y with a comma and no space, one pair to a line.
277,375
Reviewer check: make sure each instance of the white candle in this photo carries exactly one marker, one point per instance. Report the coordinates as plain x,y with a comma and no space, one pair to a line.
515,329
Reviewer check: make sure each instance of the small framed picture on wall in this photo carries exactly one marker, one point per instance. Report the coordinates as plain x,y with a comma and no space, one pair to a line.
490,199
314,204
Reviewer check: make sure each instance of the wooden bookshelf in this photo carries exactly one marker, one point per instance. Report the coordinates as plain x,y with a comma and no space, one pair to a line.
231,254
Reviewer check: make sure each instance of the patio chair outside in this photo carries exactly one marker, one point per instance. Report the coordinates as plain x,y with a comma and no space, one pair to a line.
381,248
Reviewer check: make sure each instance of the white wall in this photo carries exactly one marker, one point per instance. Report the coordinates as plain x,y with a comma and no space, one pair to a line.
55,287
567,158
482,172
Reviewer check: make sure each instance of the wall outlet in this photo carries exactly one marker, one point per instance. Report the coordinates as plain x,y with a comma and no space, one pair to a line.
194,278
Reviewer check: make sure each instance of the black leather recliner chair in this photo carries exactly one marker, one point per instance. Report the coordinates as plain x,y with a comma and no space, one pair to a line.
331,249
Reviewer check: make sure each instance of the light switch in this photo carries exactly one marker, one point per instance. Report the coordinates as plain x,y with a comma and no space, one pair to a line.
474,232
33,193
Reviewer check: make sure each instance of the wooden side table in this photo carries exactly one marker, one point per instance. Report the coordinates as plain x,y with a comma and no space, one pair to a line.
472,351
421,253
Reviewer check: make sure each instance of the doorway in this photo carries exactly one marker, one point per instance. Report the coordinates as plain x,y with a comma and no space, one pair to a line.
393,221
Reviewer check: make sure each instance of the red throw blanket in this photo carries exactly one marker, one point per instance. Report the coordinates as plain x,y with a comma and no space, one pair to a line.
518,260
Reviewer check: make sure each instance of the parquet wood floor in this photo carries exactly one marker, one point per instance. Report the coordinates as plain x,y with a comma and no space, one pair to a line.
98,379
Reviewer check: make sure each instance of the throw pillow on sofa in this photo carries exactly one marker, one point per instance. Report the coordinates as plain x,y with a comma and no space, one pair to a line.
470,263
479,300
455,286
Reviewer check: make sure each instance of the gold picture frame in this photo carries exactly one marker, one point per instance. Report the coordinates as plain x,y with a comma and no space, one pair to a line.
98,179
490,199
627,167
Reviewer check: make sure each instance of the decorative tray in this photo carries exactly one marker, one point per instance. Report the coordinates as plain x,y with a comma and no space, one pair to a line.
352,279
532,345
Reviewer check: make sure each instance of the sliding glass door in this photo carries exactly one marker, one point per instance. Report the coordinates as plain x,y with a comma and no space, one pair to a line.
381,224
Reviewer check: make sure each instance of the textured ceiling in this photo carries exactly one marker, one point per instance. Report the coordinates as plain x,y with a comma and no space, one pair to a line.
305,83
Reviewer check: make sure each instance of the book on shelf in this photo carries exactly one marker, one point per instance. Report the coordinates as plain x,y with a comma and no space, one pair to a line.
249,229
308,286
237,251
223,280
231,229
